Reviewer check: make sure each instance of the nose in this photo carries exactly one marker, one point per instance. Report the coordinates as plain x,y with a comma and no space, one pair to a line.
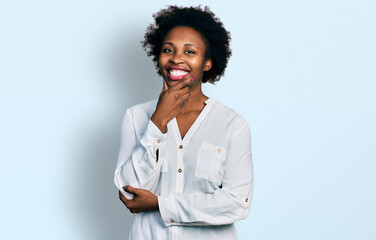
177,58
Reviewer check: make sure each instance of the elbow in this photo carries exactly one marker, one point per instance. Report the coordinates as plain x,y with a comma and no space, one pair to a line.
242,211
119,183
231,215
245,212
241,206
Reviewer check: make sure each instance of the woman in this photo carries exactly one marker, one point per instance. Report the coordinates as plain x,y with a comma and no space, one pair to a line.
185,164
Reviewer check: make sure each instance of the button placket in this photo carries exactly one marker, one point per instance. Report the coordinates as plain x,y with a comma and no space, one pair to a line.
179,172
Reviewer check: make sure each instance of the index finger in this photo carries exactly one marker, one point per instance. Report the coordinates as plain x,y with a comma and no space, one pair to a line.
181,84
122,197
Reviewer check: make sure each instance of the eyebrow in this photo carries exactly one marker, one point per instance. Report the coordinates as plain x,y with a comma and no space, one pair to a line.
187,44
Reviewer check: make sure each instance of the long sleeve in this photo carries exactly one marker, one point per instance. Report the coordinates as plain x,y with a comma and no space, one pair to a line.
225,205
137,163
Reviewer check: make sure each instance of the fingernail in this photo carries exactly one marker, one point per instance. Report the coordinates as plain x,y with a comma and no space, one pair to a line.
124,187
192,78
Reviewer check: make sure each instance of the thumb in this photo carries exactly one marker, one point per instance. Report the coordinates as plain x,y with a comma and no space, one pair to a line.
130,189
165,86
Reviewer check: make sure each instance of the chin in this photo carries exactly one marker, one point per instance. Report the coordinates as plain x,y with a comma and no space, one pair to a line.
171,83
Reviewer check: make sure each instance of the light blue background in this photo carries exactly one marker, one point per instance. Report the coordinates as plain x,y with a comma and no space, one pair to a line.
303,73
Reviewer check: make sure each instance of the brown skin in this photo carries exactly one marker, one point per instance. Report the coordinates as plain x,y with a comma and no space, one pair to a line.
142,201
185,48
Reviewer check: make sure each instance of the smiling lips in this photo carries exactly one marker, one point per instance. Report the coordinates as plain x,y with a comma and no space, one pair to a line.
177,74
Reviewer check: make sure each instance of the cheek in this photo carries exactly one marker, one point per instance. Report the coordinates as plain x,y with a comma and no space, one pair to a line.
161,60
164,55
160,65
197,64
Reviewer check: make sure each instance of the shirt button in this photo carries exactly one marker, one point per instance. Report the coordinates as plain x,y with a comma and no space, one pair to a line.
172,220
219,150
181,147
179,170
246,199
159,141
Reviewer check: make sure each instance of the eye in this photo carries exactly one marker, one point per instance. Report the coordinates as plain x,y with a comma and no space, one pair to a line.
190,52
167,50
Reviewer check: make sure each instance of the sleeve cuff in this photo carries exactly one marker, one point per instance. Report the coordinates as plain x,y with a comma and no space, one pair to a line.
167,208
152,136
152,140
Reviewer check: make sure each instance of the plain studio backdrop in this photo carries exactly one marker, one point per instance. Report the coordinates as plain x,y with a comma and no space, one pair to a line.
302,74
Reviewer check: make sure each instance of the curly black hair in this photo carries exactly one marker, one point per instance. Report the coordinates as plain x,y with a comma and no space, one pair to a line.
217,38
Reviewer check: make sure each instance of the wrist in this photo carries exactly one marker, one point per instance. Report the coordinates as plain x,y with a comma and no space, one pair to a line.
156,204
160,123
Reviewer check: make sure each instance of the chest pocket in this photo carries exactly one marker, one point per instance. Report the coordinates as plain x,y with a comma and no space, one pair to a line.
210,161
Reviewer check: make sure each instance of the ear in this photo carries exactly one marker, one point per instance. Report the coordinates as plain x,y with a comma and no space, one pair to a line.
208,65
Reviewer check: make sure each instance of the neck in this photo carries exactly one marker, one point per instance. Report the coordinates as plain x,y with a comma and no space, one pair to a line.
197,100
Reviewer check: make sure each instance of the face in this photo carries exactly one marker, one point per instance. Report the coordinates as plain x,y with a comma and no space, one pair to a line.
183,56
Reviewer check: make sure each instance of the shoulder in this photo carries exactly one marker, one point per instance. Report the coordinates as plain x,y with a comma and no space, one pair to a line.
142,110
223,112
137,117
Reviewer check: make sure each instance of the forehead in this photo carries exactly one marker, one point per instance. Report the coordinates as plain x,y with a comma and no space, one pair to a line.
185,35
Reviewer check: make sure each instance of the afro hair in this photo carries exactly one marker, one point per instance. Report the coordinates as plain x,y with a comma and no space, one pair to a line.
216,37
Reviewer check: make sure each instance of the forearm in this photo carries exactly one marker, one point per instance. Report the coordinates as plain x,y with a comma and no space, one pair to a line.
221,207
139,160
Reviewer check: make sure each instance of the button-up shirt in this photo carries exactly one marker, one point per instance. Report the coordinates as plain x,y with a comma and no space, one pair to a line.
204,181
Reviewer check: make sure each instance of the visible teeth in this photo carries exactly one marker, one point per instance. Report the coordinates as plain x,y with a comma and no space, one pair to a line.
175,73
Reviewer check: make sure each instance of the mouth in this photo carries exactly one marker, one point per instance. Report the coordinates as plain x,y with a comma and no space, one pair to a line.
177,74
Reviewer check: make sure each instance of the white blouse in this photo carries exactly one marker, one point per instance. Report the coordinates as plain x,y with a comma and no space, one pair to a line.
204,181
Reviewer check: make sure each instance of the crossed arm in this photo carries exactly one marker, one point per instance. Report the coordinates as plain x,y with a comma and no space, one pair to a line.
171,102
224,206
137,166
142,201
